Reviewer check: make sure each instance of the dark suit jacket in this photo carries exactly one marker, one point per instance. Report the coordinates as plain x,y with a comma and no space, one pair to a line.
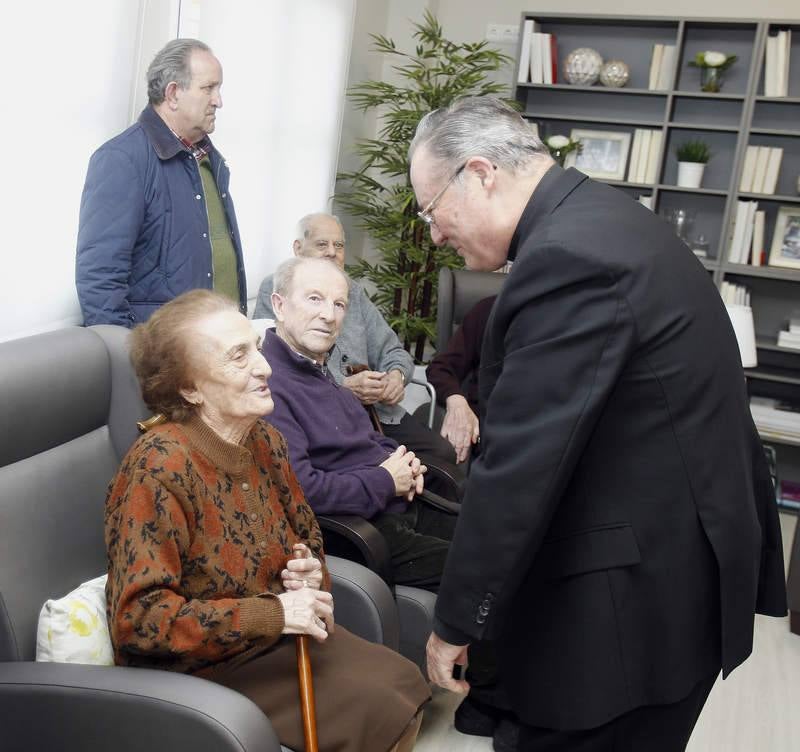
619,530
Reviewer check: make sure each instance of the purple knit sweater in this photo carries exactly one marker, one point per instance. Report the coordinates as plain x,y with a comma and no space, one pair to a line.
333,449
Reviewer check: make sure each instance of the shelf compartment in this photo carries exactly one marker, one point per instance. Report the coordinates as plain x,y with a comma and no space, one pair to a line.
725,113
794,60
717,175
707,214
581,103
732,39
779,115
630,40
790,162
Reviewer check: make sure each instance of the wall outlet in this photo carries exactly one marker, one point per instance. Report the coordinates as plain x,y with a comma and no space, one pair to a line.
503,33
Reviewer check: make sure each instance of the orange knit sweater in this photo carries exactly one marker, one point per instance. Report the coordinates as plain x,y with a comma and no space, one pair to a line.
197,531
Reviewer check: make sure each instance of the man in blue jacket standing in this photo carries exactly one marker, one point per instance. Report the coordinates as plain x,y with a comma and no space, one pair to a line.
156,216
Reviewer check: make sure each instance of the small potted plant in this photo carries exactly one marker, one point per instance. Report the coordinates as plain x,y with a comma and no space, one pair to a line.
692,159
560,146
712,65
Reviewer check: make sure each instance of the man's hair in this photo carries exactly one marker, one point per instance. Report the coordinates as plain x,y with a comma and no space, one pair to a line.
283,278
477,126
171,63
305,223
161,350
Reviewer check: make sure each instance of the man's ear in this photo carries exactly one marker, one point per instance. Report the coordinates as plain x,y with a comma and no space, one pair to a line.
297,247
277,306
483,169
171,95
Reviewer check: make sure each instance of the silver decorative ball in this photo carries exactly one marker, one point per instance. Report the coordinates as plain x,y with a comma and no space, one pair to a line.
615,73
582,66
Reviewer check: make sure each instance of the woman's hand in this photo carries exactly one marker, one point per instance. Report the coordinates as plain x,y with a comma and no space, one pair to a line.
307,611
305,571
460,426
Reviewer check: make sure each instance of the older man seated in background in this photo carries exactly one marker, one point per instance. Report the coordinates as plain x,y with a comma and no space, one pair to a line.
343,465
366,340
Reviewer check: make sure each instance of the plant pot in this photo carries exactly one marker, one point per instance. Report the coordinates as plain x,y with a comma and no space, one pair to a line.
690,174
711,79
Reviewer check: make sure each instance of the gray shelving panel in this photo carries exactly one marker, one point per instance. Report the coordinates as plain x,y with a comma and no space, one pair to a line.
729,121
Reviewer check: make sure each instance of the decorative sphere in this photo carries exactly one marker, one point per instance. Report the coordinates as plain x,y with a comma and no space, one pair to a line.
582,66
615,73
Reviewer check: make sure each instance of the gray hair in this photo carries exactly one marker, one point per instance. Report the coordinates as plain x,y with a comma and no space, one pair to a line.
478,126
283,279
305,223
171,63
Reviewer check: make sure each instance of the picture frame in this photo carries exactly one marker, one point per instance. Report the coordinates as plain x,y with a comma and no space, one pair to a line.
604,154
785,250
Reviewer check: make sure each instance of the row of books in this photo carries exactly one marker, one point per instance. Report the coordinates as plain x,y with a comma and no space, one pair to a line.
733,294
762,164
776,70
747,241
538,59
790,337
774,417
662,64
643,166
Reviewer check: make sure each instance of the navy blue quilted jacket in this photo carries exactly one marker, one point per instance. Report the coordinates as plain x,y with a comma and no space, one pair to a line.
143,235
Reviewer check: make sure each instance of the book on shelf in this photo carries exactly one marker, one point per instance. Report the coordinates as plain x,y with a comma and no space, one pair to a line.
788,339
790,491
776,417
746,182
773,169
665,67
655,66
777,64
733,294
739,249
760,169
524,72
651,170
646,201
635,151
794,322
547,63
554,58
537,72
757,247
644,155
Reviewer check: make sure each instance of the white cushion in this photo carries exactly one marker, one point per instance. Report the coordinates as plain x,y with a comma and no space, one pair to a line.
73,629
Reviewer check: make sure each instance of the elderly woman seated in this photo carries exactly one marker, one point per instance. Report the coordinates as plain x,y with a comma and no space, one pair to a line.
200,521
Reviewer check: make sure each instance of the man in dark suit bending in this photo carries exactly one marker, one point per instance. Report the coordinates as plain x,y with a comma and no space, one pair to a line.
619,529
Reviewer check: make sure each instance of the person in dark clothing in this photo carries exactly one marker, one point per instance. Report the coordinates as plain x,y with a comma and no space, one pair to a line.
343,465
454,374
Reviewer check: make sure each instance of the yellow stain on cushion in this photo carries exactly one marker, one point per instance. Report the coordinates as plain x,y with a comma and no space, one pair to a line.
82,620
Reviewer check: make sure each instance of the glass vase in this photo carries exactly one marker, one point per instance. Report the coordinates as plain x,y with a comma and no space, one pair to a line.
710,79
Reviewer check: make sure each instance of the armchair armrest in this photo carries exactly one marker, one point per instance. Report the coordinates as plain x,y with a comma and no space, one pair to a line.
74,708
439,502
432,392
364,603
352,537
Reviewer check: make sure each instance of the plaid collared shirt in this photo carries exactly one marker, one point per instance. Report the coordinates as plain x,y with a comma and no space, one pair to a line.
199,150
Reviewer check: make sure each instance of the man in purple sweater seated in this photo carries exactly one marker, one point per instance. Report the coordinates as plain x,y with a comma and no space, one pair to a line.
342,464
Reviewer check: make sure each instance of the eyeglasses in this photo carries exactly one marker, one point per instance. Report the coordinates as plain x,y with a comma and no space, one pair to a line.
426,215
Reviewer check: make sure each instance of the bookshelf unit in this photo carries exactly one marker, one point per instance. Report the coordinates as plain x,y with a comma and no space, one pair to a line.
730,120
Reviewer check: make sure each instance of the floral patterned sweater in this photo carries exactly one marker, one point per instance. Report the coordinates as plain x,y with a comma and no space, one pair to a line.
197,532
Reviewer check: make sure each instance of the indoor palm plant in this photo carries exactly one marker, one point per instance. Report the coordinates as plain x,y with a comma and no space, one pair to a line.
379,194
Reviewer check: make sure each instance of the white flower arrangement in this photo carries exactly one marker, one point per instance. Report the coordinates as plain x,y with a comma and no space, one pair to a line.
560,146
712,59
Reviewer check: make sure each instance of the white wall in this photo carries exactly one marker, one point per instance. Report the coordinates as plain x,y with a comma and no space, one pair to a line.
66,89
75,79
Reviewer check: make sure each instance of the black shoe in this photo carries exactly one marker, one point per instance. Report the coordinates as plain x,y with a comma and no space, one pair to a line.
475,718
506,735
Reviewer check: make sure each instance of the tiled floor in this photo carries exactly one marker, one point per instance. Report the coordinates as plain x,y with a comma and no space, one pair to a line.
757,709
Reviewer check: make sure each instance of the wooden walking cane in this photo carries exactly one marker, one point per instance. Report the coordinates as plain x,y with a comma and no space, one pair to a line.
306,685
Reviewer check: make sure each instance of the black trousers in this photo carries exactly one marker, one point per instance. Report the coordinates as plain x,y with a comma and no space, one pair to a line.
418,540
421,440
652,728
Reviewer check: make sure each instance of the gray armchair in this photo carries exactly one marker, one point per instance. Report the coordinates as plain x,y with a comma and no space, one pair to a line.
68,405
